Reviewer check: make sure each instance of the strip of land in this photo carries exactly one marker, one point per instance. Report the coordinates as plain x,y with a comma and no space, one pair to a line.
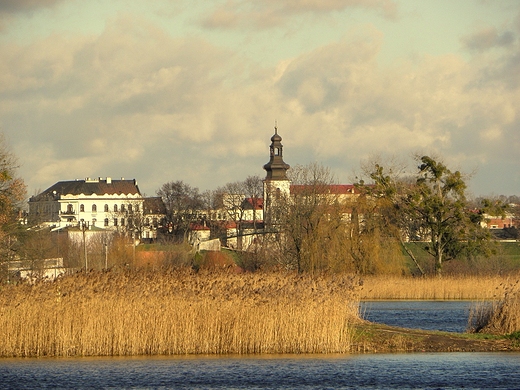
379,338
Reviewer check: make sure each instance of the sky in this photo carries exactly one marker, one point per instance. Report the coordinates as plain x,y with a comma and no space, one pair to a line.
191,90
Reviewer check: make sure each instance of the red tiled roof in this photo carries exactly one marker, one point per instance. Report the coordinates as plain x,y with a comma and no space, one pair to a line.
338,189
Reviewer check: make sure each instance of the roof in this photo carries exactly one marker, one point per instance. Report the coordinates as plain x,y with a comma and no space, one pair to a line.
154,205
256,203
88,187
338,189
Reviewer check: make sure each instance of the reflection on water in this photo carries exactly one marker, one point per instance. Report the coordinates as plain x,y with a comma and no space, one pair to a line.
385,371
448,316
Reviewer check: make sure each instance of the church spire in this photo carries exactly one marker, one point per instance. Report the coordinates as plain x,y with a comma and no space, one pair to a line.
276,168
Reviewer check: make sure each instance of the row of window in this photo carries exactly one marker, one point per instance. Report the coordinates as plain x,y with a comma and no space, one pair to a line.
121,222
106,208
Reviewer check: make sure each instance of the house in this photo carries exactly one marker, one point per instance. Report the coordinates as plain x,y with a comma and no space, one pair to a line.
97,204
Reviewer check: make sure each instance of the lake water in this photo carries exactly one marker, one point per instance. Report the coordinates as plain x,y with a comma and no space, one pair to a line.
449,316
378,371
385,371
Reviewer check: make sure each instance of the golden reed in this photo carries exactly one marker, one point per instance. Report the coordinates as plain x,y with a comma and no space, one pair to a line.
120,313
499,317
433,288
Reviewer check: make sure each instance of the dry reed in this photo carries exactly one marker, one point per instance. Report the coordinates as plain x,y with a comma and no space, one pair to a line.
499,317
434,288
177,312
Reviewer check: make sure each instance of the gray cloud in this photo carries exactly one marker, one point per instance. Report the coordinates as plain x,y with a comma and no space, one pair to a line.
272,13
137,103
9,8
488,38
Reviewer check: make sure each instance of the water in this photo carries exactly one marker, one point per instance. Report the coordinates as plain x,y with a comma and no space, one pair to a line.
379,371
449,316
385,371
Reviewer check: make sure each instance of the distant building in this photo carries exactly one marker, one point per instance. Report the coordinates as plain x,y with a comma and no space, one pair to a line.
107,204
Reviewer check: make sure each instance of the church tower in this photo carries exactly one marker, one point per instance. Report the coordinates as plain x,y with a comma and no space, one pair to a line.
276,184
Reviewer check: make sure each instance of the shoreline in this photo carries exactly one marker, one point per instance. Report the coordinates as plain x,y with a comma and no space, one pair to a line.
379,338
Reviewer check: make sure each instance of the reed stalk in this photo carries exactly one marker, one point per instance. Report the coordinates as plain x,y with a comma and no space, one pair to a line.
498,317
121,313
433,288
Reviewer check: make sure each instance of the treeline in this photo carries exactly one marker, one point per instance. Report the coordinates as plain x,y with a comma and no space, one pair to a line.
396,222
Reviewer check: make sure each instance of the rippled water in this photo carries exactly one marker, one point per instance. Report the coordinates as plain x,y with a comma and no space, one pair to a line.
385,371
449,316
381,371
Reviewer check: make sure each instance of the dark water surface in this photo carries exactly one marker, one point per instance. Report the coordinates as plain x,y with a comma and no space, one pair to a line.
448,316
385,371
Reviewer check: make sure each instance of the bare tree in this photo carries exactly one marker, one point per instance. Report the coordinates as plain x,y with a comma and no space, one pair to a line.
12,195
312,233
184,206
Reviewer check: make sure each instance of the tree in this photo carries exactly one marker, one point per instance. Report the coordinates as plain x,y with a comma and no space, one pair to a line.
253,188
312,234
184,206
12,195
433,209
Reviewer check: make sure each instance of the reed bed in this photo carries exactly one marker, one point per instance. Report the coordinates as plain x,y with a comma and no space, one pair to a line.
498,317
121,313
433,288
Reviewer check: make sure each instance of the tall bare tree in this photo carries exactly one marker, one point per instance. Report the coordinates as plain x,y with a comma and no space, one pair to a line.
184,206
12,196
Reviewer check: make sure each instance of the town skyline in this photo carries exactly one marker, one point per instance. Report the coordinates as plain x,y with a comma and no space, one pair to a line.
191,90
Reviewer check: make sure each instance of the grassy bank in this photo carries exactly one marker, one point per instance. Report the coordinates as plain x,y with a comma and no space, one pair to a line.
432,288
121,313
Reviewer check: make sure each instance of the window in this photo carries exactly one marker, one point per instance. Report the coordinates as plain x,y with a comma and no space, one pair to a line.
115,208
69,209
94,208
115,221
106,208
276,151
81,208
122,208
106,221
136,208
94,220
129,208
122,222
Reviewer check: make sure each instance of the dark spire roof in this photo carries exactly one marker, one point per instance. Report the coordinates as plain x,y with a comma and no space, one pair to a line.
276,168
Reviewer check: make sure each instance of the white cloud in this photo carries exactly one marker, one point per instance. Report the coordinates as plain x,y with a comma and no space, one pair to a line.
136,102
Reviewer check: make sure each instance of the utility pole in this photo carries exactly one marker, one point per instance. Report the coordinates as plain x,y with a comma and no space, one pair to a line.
84,226
106,255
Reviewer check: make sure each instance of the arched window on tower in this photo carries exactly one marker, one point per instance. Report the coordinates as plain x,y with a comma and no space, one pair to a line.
276,151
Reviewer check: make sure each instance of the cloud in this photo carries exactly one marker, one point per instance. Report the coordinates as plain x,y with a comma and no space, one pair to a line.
488,38
9,8
137,103
273,13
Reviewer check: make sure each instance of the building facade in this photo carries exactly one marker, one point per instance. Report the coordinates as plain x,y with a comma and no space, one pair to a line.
110,204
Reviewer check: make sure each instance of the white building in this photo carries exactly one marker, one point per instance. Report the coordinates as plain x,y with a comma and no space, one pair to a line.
96,203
